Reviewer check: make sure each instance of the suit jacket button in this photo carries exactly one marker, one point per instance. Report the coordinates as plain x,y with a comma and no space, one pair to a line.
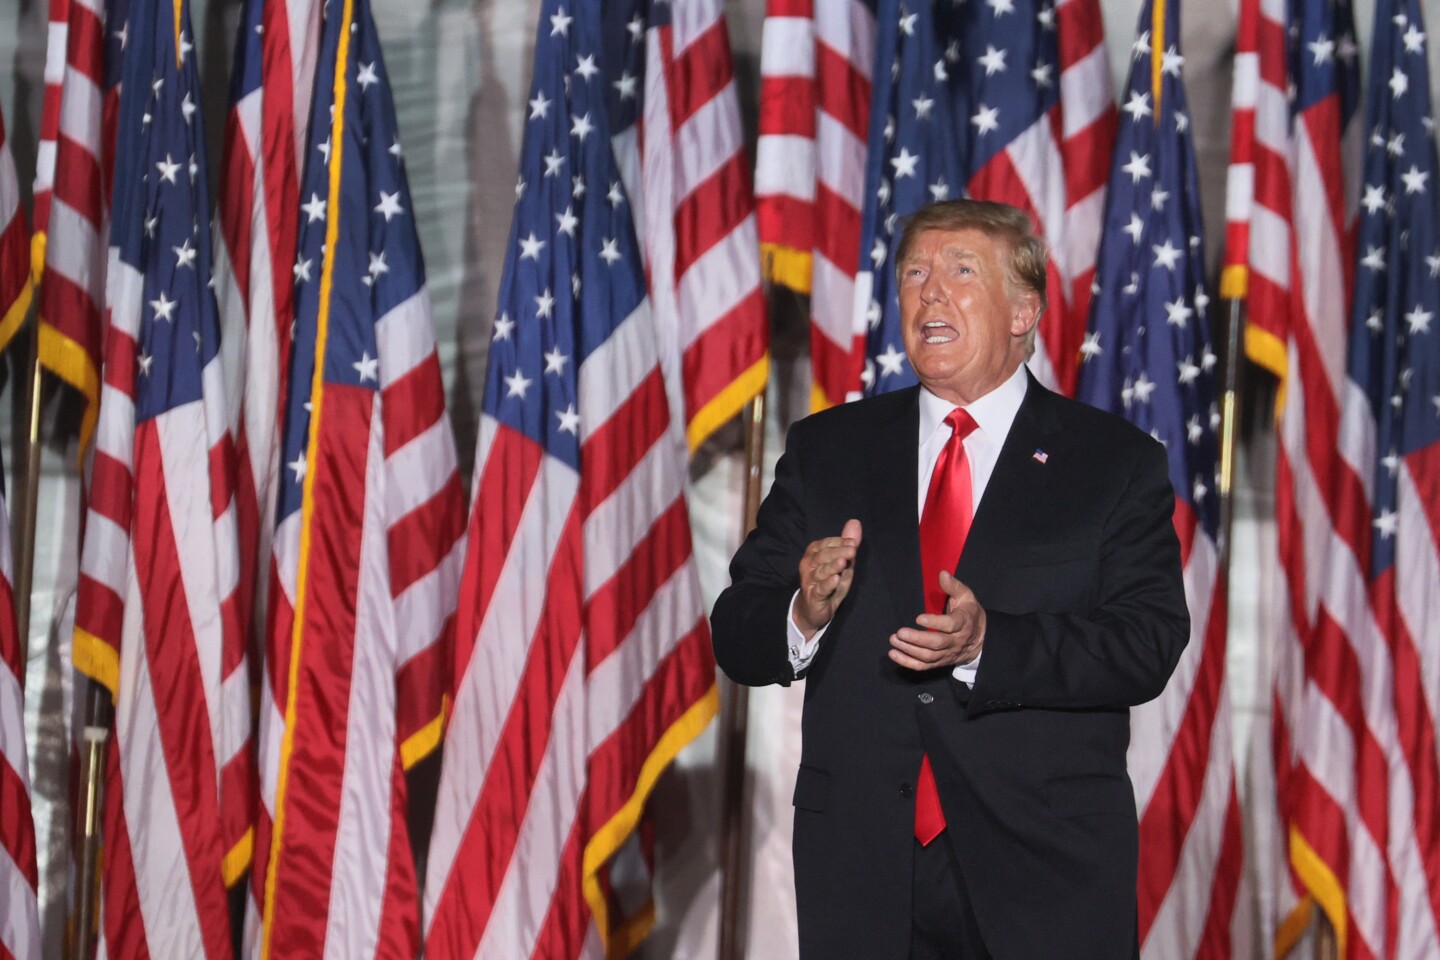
906,790
926,698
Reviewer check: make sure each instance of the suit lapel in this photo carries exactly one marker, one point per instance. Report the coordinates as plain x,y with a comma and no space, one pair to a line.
1006,491
895,529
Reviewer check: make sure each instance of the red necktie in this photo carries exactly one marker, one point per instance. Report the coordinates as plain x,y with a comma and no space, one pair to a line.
944,524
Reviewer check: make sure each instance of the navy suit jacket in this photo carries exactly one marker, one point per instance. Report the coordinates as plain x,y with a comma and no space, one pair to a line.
1075,560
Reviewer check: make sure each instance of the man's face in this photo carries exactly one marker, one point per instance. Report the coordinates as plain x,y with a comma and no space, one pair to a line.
964,334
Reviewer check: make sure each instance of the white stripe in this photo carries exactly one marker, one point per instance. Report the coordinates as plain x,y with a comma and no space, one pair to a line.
1356,443
1239,192
611,374
404,338
1036,158
418,471
1187,903
719,281
528,889
162,871
708,140
1322,271
787,47
493,676
12,718
1417,581
235,715
1274,11
848,28
45,166
1153,725
617,682
1245,84
124,293
20,919
690,21
1270,245
1272,120
428,603
840,158
303,18
81,110
103,556
1042,366
287,554
1084,219
618,524
57,37
9,187
361,875
75,250
1086,91
832,295
785,165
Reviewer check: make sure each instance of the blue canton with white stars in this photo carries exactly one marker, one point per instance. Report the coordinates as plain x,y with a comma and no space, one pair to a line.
954,83
1323,56
1394,351
624,26
1147,353
161,216
572,266
377,263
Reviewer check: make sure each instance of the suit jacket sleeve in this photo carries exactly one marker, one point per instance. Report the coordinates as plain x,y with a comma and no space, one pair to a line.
1120,652
748,624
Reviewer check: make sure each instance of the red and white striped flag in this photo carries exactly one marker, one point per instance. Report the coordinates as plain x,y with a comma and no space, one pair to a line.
369,540
19,914
582,648
57,30
815,62
84,99
157,620
675,117
255,236
1289,253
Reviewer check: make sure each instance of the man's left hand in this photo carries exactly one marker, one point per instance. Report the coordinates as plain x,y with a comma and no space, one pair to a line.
948,639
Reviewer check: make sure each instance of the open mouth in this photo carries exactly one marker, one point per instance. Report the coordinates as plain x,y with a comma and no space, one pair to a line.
938,332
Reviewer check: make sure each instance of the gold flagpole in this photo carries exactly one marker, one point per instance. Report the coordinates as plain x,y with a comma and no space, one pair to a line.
734,865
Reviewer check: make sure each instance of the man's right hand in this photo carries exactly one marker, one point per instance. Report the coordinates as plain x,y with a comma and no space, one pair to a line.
826,571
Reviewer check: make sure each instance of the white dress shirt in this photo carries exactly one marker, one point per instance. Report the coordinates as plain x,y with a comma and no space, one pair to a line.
993,415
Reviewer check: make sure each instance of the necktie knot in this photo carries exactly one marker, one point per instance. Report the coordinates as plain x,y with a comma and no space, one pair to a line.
961,423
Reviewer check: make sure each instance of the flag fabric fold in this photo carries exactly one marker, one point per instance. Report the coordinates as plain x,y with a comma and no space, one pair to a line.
369,538
1005,101
156,611
674,115
583,657
1148,358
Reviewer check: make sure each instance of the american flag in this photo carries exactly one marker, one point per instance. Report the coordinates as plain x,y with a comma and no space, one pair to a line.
583,652
1289,254
255,237
156,620
86,54
57,31
19,916
1376,649
815,63
674,113
1148,358
369,539
1003,100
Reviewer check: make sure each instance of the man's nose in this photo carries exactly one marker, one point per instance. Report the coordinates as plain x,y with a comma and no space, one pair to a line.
932,290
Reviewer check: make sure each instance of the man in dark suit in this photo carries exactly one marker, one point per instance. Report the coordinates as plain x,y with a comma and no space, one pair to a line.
962,791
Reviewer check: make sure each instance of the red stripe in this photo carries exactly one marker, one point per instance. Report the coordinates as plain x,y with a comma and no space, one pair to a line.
1086,156
834,370
1218,940
1081,30
177,680
1186,522
1323,124
790,8
17,832
99,612
78,182
1272,47
1062,331
70,311
731,345
423,537
239,797
613,608
124,923
85,44
1171,810
712,211
399,931
485,853
785,221
318,723
610,454
699,74
1423,467
222,471
282,187
568,920
421,684
412,404
1272,183
787,106
236,205
843,92
837,229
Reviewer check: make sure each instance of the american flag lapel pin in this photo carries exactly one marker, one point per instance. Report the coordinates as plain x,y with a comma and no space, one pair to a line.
1040,456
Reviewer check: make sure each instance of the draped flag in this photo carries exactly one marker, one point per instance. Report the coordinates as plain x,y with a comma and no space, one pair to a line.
815,63
57,32
675,116
1367,842
255,245
19,914
583,651
85,103
156,618
1148,358
369,539
1289,247
1008,100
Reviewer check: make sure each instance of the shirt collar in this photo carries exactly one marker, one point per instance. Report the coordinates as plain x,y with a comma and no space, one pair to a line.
993,413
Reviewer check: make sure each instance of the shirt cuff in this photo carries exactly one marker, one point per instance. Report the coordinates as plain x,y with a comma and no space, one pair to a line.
802,651
965,673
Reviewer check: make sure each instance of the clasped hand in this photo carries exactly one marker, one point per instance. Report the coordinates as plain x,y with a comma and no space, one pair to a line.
827,571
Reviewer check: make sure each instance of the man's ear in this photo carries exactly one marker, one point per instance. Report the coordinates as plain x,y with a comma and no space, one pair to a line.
1025,312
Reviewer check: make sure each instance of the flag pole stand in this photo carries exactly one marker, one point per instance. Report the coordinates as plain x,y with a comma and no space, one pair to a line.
97,733
733,865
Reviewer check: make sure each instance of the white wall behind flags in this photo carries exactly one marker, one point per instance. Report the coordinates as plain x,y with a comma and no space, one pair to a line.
460,73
